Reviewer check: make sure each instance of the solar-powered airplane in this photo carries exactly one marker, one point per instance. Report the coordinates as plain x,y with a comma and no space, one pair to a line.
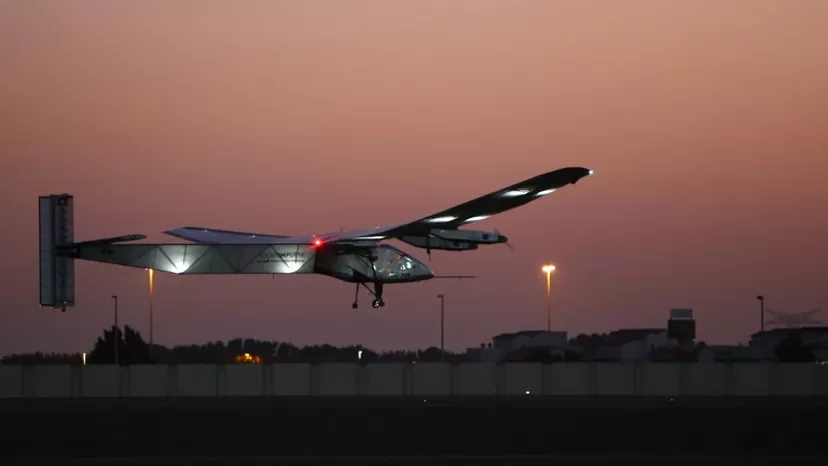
358,256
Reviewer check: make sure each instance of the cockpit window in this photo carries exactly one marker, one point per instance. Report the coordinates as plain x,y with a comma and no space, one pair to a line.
402,261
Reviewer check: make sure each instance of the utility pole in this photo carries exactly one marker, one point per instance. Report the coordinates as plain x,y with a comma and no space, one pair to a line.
761,313
116,337
442,326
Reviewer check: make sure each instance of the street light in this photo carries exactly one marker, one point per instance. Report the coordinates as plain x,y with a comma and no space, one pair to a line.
548,269
150,271
442,299
115,333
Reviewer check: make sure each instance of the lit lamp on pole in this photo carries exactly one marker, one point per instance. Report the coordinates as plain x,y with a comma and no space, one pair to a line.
548,269
151,291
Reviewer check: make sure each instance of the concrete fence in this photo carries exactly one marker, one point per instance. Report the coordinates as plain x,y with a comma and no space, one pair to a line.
419,379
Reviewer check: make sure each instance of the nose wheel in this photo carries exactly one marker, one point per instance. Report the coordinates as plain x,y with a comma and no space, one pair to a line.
376,292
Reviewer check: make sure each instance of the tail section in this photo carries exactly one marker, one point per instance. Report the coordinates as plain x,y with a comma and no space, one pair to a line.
57,273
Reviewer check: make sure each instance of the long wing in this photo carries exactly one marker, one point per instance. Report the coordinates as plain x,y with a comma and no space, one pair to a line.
475,210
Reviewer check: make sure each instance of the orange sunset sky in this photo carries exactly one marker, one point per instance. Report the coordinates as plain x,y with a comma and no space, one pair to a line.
706,123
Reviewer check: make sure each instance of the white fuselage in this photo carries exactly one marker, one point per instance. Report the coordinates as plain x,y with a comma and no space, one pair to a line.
380,263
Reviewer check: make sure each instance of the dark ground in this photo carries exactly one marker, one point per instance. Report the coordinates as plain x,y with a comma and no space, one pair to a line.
457,461
264,428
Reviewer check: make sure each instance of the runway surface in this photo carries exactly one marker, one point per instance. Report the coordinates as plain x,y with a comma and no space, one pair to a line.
527,430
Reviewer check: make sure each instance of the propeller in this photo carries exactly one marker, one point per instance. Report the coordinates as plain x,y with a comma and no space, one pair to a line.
428,246
505,240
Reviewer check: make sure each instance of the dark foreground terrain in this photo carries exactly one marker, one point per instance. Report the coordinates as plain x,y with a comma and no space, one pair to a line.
189,429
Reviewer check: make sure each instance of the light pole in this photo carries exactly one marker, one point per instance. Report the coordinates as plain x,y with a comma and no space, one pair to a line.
115,333
761,313
150,311
548,269
442,326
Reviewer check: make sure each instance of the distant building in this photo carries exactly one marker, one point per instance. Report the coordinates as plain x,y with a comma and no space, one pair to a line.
645,344
763,346
676,341
768,340
607,346
730,353
485,353
619,345
529,339
643,349
681,326
506,344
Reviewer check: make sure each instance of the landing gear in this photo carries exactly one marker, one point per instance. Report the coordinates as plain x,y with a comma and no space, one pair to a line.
356,298
376,292
370,261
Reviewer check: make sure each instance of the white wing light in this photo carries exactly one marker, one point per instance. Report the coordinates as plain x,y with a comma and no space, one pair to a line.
441,219
545,192
515,193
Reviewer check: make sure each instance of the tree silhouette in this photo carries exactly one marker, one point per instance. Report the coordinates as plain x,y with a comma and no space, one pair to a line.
430,354
132,349
38,358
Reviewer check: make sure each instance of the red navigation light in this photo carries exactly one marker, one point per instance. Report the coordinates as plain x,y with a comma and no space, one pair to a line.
317,242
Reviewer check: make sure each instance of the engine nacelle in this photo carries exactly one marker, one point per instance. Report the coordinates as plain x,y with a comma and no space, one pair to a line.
471,236
438,243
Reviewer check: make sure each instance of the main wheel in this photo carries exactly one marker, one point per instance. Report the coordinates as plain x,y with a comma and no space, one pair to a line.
376,303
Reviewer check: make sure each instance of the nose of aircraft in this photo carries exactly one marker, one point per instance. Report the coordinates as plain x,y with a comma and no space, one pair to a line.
421,269
502,239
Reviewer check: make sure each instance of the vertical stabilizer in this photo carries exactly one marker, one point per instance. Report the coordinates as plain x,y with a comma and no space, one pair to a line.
57,273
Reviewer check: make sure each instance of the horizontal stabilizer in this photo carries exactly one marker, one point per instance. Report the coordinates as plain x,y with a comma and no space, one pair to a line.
115,239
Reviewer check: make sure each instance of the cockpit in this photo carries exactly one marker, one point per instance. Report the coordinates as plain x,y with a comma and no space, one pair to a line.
396,264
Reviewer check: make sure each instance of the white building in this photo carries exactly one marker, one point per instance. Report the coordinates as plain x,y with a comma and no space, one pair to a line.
530,339
640,350
505,343
729,353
